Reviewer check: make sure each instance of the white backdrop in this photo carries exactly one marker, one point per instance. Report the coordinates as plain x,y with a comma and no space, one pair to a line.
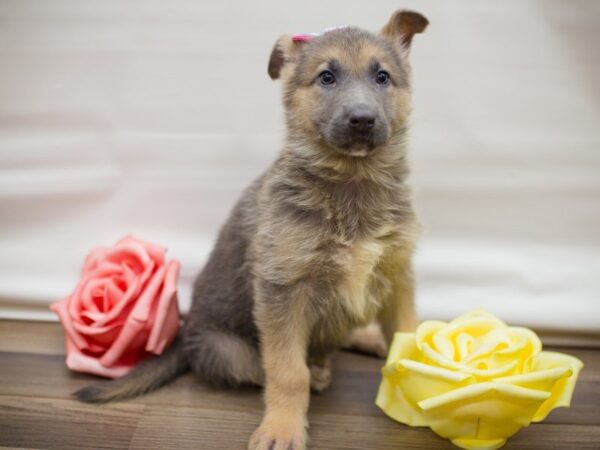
149,117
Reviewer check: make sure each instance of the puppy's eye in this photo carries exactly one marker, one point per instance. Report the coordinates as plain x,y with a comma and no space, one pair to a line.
326,77
382,77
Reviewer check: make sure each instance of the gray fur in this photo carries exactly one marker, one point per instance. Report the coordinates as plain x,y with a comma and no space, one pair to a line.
317,227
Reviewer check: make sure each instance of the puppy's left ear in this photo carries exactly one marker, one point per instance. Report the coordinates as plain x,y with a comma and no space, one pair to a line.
403,25
285,51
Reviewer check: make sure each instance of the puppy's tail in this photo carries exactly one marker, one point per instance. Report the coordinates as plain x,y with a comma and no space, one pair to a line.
148,376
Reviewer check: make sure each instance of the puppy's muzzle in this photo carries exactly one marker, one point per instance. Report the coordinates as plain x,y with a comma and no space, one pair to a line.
358,128
361,120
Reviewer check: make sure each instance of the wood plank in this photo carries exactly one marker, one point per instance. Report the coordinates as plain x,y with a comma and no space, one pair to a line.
33,375
352,392
193,428
63,424
31,337
36,410
356,378
544,436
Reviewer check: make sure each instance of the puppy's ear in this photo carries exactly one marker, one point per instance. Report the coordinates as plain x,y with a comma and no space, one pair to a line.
403,25
286,50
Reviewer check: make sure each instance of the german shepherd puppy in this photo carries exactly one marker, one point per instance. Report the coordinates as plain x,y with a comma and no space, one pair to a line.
318,246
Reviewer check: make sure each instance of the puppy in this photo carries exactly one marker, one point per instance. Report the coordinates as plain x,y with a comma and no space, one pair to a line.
317,247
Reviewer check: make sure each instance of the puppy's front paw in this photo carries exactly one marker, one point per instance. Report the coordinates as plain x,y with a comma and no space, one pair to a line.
279,434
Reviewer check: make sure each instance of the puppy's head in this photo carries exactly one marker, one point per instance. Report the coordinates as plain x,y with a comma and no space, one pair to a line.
348,88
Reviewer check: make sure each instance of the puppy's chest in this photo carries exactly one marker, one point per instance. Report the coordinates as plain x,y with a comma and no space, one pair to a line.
357,263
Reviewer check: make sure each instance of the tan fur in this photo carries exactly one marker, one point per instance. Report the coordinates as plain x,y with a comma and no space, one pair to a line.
359,260
319,279
403,25
318,246
368,339
287,386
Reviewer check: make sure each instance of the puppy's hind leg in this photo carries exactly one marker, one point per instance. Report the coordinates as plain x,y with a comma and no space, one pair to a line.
320,374
224,359
368,339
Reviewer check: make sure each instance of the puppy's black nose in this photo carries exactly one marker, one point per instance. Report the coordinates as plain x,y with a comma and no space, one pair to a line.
361,120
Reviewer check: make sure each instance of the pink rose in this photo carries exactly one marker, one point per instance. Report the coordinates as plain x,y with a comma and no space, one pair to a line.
123,309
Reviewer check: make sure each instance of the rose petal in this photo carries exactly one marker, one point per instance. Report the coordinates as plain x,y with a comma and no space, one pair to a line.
494,340
73,304
444,345
420,381
542,380
80,362
403,346
431,356
89,291
105,269
61,308
463,344
166,322
127,299
562,391
433,372
390,398
481,412
395,404
143,307
132,254
475,326
476,390
92,259
156,252
137,320
426,330
95,330
113,294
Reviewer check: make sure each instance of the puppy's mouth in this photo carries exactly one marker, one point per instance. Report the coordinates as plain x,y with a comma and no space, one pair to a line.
355,144
359,147
354,140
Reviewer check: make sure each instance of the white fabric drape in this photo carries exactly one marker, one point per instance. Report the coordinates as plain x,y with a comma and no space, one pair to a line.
149,117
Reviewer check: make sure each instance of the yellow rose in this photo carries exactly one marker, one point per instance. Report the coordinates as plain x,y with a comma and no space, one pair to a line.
474,380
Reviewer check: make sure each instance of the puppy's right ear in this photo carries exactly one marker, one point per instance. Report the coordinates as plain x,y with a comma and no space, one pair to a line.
285,51
403,25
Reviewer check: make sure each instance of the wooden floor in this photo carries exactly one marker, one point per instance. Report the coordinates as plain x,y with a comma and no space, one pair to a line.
36,410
